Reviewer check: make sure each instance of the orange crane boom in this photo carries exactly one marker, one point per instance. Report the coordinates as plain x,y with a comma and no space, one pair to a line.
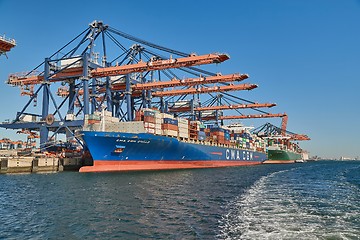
222,107
270,115
178,83
299,137
159,65
191,81
37,79
120,70
236,106
204,90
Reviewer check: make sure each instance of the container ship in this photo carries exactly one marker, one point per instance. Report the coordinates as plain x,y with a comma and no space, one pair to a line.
137,108
159,141
282,150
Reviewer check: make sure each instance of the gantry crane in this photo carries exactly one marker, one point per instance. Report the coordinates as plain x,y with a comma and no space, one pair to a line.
284,117
125,80
270,130
82,72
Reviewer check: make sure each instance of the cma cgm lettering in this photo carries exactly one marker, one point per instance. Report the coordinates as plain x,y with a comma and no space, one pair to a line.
233,154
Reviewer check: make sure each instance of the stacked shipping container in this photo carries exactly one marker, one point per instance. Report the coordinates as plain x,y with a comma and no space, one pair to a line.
154,122
183,128
149,121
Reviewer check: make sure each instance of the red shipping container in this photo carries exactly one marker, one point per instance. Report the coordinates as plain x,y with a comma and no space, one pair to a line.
166,126
149,119
221,134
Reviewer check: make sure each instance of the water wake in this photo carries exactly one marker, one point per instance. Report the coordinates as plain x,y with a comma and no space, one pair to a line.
300,203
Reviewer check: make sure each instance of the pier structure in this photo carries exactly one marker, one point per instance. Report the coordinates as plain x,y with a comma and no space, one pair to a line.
103,68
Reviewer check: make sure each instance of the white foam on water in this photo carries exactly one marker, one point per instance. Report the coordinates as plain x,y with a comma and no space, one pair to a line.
295,204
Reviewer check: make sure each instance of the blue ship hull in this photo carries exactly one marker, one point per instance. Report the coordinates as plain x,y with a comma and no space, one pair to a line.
114,151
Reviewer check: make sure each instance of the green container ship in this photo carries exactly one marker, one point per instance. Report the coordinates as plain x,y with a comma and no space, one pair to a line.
283,151
283,156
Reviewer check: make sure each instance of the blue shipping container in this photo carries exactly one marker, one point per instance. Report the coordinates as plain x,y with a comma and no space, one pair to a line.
202,138
149,113
216,129
200,133
227,136
171,121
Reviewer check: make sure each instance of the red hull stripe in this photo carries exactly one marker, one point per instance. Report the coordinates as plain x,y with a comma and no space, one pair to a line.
216,153
278,161
118,166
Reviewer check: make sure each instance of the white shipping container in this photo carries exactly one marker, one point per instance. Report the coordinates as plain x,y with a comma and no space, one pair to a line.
158,131
150,125
183,130
158,120
166,115
182,121
184,135
151,110
183,125
170,132
150,130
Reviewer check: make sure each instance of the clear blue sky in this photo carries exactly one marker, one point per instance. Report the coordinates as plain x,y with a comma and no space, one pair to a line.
304,55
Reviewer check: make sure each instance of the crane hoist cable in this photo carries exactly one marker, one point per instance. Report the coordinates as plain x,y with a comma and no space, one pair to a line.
130,37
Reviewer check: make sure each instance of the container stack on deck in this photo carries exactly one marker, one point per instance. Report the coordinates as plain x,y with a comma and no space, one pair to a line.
149,121
164,124
183,128
170,126
194,128
283,144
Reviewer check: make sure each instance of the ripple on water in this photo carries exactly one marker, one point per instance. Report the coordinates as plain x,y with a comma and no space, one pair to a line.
301,203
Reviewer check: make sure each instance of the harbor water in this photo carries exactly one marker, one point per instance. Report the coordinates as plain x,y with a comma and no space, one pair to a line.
314,200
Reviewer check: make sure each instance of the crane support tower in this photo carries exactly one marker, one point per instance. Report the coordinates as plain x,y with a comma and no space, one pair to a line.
104,69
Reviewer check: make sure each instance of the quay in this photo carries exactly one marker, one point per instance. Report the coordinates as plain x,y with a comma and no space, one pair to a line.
11,163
